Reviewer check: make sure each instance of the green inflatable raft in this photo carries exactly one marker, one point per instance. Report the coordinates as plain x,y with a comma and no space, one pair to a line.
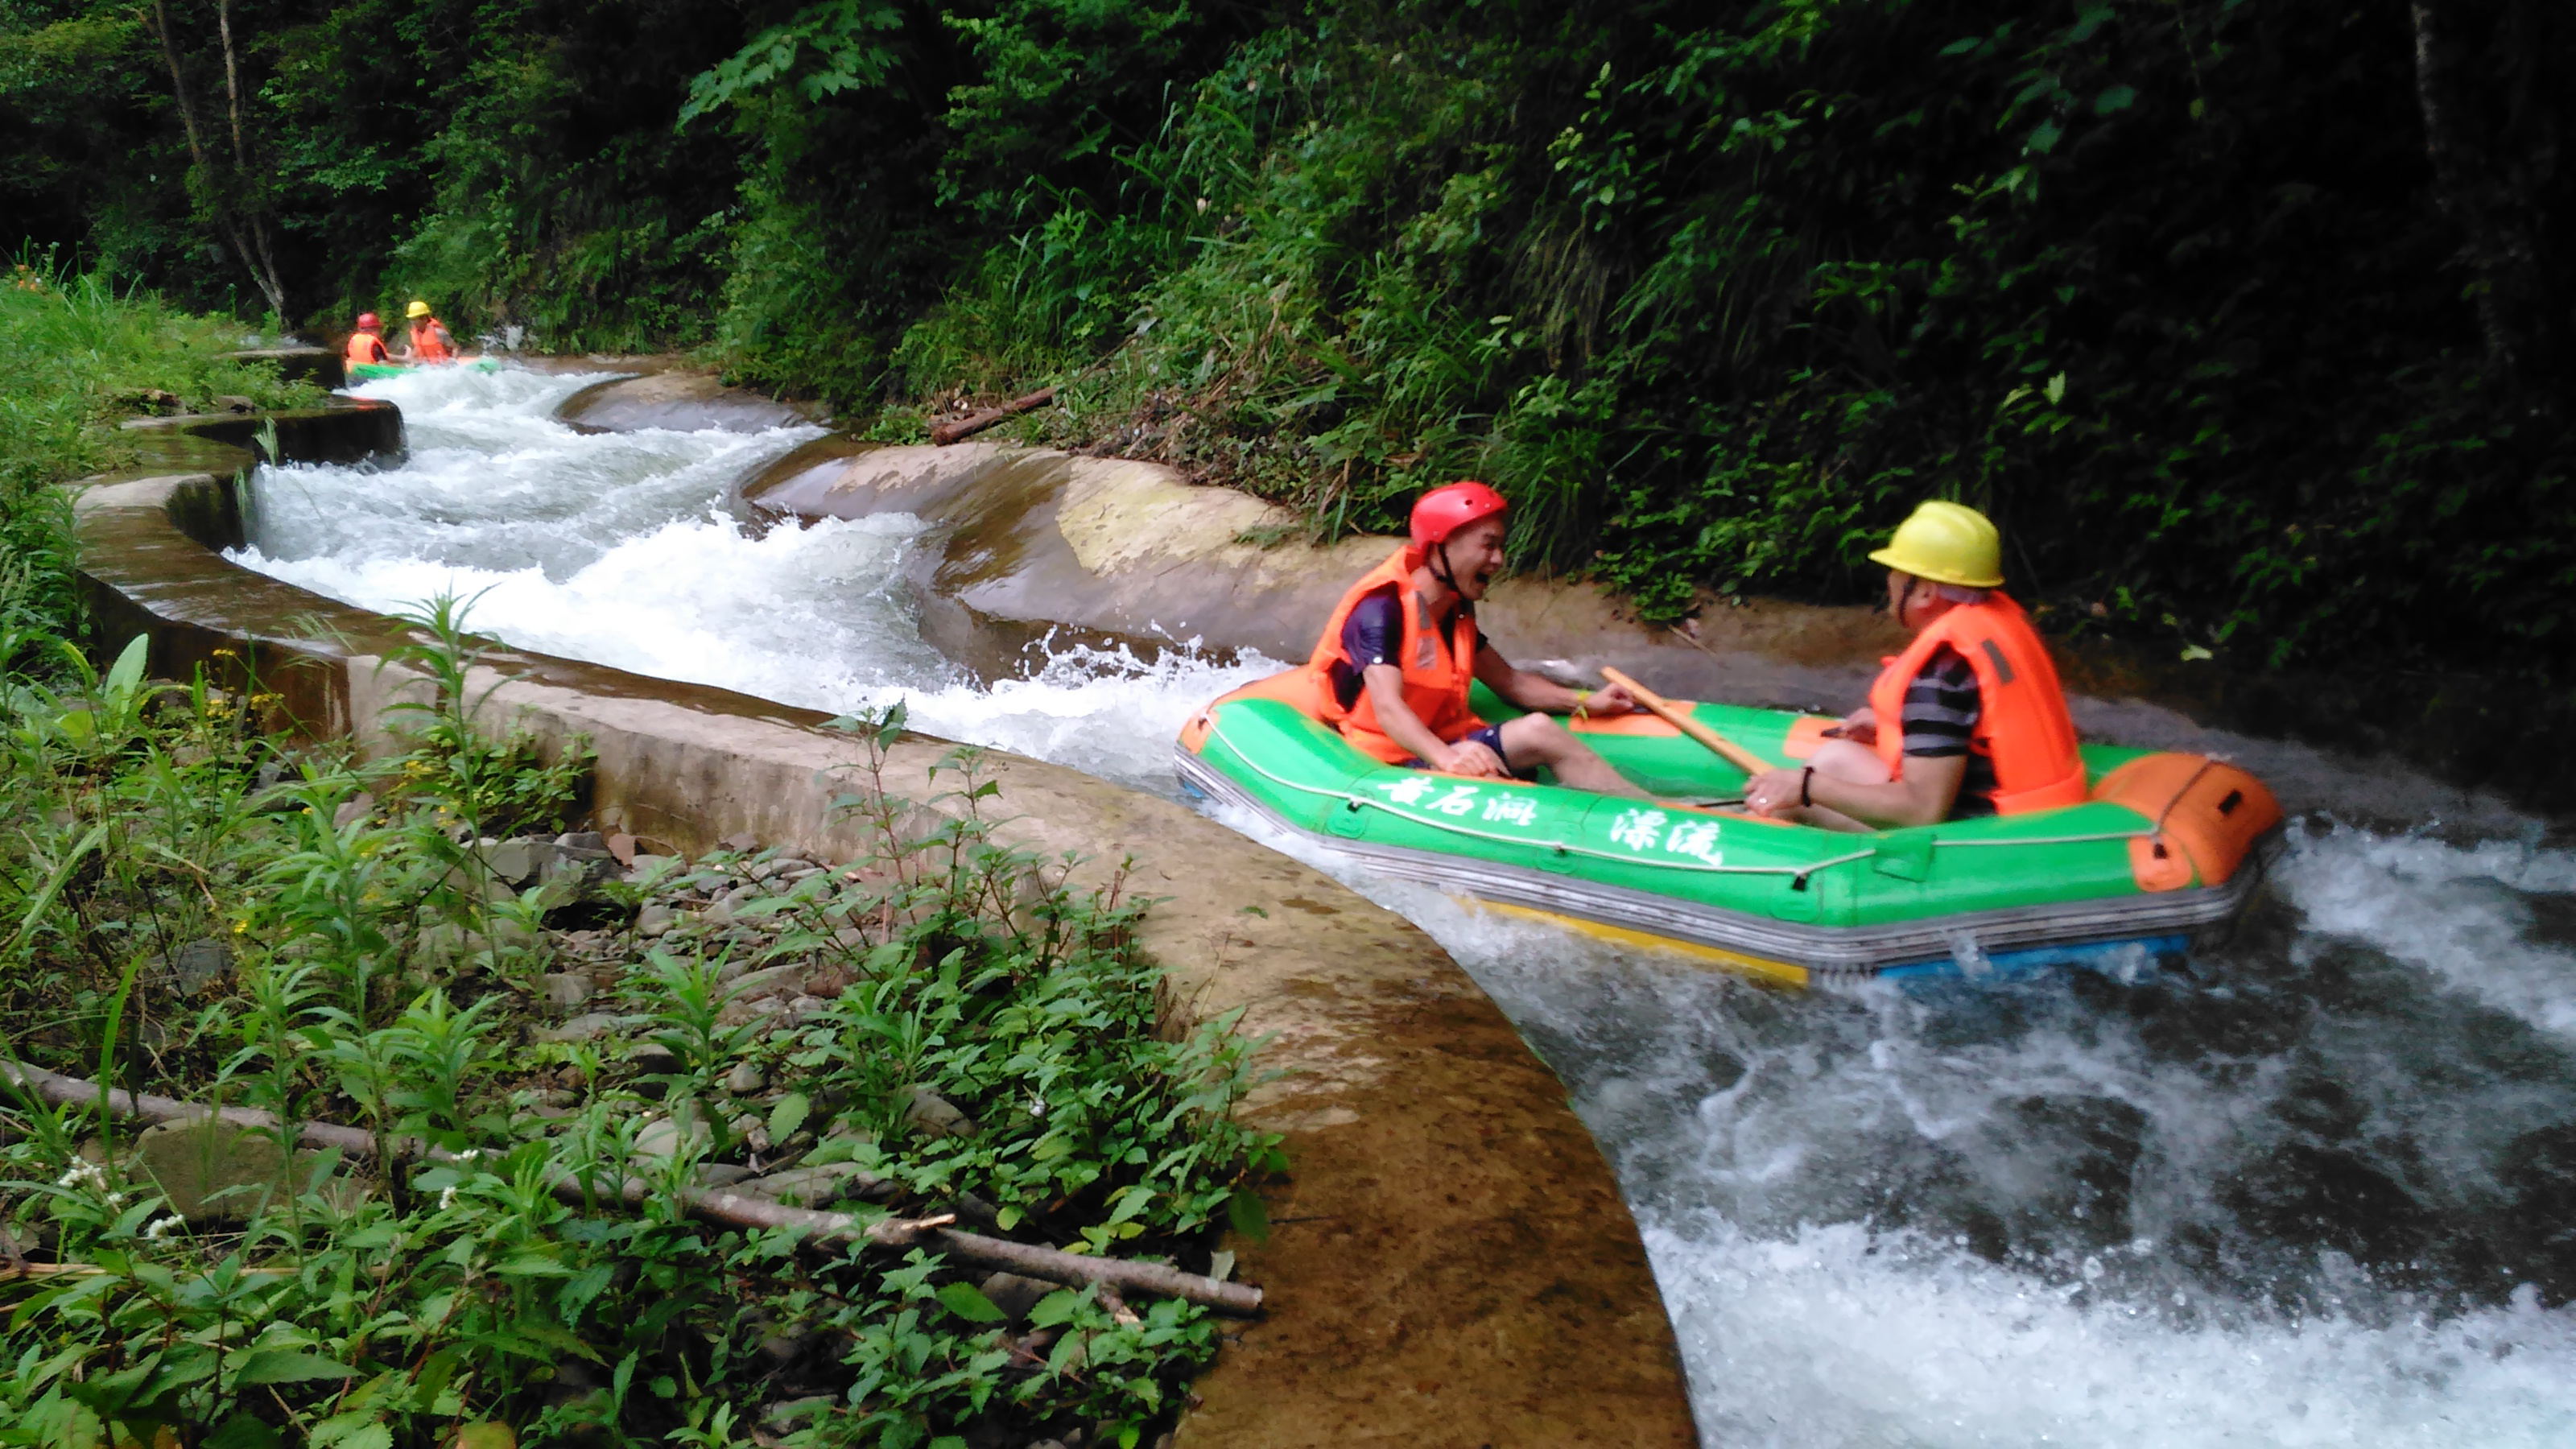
2167,850
372,371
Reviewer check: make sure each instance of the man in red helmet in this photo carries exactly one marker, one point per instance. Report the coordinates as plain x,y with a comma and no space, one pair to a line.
367,344
1396,659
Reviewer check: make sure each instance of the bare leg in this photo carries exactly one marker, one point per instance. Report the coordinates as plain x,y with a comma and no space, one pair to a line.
1537,739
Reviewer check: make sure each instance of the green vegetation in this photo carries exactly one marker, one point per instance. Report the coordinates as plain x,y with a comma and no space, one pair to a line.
192,912
2249,322
77,354
194,907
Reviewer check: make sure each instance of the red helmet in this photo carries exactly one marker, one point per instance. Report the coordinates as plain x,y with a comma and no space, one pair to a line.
369,319
1450,507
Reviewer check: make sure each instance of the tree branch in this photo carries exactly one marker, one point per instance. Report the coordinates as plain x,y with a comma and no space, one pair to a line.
1027,1259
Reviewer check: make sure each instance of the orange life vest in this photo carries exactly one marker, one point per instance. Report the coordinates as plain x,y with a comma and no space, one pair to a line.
429,341
2022,725
1435,679
364,347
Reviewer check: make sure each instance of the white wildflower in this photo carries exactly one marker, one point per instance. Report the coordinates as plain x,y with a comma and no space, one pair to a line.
116,1199
447,1199
469,1154
163,1227
83,1174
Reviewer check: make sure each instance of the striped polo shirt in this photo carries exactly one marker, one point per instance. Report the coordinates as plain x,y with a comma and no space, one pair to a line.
1941,708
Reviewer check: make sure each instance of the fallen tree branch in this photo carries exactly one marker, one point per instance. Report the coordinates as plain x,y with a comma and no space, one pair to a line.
975,422
1077,1270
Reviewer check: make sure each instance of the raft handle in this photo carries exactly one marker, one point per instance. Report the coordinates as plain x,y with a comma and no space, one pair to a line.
2228,805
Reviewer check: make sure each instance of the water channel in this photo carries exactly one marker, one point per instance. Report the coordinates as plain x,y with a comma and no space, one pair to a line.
2318,1188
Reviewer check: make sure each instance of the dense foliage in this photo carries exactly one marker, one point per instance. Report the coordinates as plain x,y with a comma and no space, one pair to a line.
186,910
2249,322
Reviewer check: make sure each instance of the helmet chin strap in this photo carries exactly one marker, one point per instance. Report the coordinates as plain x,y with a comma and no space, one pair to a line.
1441,571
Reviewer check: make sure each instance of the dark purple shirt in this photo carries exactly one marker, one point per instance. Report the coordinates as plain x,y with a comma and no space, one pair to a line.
1373,633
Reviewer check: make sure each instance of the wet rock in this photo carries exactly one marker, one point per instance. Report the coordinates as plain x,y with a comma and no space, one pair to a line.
655,920
233,402
721,1174
581,1028
717,916
740,842
933,1115
745,1079
564,991
1014,1294
352,810
827,984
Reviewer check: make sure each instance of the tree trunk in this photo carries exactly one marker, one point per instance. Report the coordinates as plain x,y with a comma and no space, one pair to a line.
2492,138
250,248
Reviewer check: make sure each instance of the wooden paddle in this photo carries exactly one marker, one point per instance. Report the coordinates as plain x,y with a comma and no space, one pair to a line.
1679,718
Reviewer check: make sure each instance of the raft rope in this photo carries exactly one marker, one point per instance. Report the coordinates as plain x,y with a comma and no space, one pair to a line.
1215,732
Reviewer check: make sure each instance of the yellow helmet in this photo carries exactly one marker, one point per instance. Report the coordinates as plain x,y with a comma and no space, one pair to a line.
418,308
1948,543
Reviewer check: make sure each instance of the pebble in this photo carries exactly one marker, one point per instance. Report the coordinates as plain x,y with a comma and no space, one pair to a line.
935,1116
580,1028
745,1079
1014,1294
655,920
644,867
661,1138
352,810
564,990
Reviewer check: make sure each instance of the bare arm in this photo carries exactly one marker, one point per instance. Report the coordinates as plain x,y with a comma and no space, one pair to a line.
1396,719
1544,695
1922,796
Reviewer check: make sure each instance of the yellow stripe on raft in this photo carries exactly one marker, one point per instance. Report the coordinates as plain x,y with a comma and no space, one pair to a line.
1781,972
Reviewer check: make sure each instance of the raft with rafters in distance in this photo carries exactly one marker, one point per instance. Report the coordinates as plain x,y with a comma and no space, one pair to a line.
2166,851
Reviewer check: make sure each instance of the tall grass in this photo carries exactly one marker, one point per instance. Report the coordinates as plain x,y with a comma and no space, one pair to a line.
78,351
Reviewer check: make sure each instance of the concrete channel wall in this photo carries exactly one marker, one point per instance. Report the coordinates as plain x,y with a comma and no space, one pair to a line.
1450,1262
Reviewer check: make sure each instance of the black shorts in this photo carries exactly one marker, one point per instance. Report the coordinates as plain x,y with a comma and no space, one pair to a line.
1491,737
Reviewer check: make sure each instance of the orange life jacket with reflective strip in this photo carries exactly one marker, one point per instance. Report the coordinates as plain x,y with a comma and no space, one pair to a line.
2022,725
429,341
1436,679
364,347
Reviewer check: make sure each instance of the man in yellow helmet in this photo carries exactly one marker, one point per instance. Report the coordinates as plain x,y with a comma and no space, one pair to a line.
429,339
1969,720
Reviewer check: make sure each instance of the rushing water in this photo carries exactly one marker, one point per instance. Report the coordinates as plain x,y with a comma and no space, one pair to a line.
2319,1189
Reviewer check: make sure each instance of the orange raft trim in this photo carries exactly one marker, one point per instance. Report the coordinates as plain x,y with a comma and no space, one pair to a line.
2206,816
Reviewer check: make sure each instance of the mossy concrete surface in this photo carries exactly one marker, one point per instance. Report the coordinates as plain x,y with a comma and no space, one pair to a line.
1450,1262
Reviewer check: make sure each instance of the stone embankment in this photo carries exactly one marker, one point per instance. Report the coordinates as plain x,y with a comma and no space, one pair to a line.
1450,1263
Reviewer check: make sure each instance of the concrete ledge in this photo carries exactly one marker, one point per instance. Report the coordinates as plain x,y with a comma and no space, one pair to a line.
1451,1264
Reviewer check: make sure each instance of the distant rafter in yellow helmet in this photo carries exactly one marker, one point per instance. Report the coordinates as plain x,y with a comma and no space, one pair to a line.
1948,543
418,308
